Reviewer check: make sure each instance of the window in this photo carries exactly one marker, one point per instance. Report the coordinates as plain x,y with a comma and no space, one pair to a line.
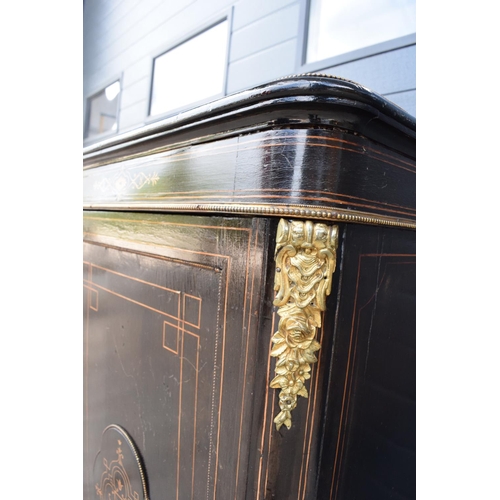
338,27
102,113
190,72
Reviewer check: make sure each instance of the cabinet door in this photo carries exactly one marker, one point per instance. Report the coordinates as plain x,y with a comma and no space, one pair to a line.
368,448
171,308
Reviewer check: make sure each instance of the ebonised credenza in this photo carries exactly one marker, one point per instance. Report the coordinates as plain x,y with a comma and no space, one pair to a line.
249,300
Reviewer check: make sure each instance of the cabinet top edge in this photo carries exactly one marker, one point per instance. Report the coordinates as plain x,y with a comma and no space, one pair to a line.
310,100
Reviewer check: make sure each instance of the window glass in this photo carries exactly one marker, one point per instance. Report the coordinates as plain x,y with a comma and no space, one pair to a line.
337,27
103,112
190,72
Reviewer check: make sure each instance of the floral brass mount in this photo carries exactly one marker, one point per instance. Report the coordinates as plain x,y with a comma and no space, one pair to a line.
305,262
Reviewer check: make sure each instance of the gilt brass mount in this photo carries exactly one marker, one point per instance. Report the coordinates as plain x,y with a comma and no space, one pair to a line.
305,262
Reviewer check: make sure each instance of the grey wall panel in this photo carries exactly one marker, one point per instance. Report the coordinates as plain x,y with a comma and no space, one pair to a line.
106,26
385,73
134,12
137,71
99,11
158,34
103,28
100,50
271,30
118,51
406,100
134,93
133,116
263,66
141,28
248,11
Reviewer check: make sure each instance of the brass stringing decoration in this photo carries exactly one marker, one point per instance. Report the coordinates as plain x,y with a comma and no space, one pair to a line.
305,262
115,483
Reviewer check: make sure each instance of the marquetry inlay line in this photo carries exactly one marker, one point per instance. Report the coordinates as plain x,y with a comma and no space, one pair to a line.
305,258
93,297
196,303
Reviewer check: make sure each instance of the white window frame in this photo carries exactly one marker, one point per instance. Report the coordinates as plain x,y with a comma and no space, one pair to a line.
226,16
102,88
354,55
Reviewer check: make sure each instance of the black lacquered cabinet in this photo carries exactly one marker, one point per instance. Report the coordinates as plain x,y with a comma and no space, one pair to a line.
249,300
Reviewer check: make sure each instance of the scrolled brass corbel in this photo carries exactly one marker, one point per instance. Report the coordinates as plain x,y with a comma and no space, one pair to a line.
305,262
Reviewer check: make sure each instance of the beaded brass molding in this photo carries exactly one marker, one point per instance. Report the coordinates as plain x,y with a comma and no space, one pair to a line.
305,258
310,211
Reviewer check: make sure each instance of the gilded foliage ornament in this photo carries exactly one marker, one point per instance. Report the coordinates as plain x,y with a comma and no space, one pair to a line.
305,262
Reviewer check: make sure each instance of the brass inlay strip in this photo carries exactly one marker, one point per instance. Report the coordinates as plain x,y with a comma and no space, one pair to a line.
309,211
178,150
305,262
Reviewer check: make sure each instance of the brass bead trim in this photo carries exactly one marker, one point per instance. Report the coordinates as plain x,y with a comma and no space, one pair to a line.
310,211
